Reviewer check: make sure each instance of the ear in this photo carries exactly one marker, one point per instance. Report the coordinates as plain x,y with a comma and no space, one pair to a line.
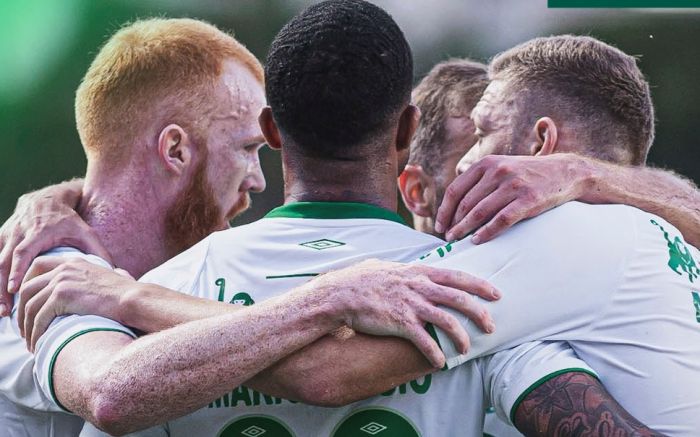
269,129
414,185
408,123
546,136
174,148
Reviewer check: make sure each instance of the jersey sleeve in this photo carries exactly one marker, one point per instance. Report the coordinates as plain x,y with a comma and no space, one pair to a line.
62,331
556,273
513,374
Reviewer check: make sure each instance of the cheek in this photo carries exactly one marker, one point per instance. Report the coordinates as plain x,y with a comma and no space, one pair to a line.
494,144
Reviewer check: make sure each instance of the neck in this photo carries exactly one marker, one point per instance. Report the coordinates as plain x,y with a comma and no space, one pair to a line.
128,222
318,180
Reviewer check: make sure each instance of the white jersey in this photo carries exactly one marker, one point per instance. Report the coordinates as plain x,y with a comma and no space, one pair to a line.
620,285
27,409
255,262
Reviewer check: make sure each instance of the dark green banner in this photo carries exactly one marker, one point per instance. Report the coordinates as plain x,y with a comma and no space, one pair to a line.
623,3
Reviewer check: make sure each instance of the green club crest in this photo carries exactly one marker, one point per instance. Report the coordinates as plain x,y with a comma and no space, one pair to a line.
242,299
680,259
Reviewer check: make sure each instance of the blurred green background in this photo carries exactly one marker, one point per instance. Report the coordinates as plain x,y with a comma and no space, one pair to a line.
46,46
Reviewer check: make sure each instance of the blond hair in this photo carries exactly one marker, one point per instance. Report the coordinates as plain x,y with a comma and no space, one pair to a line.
586,81
451,89
153,71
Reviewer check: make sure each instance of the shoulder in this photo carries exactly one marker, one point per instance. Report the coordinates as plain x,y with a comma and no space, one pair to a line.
181,272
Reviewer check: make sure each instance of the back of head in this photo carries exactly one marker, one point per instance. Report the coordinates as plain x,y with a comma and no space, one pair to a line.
336,75
582,80
451,89
151,73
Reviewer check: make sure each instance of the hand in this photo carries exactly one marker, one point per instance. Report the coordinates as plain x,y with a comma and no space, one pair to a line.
497,192
385,298
42,220
57,286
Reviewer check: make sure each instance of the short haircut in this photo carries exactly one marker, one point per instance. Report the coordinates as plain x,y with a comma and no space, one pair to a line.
581,79
335,75
153,71
451,89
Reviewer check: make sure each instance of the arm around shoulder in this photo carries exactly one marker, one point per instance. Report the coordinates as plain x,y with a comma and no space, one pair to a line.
660,192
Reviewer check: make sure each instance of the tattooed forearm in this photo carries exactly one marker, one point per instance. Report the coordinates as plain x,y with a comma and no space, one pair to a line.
576,404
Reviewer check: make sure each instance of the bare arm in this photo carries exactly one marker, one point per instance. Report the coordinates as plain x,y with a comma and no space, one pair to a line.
659,192
576,404
122,385
369,297
328,372
498,191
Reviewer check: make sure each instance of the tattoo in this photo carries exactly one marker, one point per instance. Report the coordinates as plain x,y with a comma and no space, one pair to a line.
576,404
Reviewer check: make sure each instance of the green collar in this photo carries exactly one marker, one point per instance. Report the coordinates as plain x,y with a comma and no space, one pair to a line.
333,210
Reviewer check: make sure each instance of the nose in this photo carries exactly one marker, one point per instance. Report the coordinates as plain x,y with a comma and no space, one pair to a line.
255,179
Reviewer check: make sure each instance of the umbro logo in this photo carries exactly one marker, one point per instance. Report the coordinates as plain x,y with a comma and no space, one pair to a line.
373,428
253,431
322,244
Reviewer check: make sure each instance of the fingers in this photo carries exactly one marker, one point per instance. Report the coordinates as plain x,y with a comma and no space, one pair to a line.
41,323
33,306
448,323
22,258
6,299
27,292
487,205
504,219
461,281
453,196
6,303
426,345
465,304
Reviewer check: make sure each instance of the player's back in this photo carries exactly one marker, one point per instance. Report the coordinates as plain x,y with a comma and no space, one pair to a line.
264,259
620,285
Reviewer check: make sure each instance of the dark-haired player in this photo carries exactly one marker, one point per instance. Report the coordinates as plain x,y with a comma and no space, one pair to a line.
154,186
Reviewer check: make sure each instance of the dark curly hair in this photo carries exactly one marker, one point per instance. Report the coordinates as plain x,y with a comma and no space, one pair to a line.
335,75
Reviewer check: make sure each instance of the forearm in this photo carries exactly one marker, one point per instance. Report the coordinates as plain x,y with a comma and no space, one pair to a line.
656,191
576,403
342,368
174,372
151,308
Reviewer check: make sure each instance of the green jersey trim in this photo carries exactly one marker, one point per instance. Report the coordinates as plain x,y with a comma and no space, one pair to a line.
334,210
295,275
52,363
541,381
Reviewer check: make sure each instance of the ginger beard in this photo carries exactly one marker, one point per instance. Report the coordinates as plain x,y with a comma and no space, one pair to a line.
196,213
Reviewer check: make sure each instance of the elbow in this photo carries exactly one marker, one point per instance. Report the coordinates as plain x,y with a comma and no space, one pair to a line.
109,411
106,416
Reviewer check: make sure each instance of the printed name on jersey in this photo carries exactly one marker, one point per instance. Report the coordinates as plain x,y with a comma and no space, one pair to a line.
248,397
